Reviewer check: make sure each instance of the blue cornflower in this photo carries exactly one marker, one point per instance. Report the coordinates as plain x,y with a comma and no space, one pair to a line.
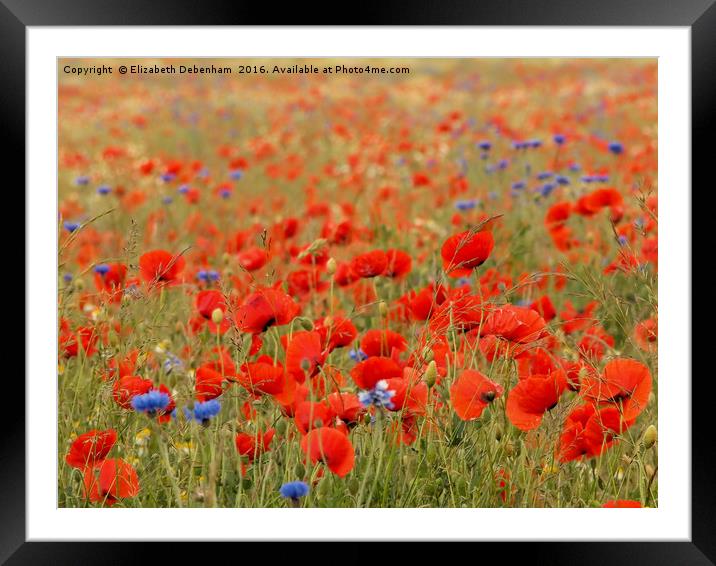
519,145
559,139
167,200
600,178
236,174
151,402
167,177
574,167
545,175
546,189
104,190
82,180
294,490
225,193
183,189
534,143
588,178
466,204
203,412
463,281
616,148
484,145
562,180
67,277
518,185
71,226
101,268
378,396
502,164
213,275
202,275
203,173
622,240
172,362
357,355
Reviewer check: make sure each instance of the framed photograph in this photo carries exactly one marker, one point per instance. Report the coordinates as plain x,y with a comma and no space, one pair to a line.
391,281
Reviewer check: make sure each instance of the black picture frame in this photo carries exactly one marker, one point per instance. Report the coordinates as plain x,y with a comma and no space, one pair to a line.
699,15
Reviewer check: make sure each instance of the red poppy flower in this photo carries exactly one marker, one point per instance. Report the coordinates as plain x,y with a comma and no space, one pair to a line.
264,309
369,264
127,387
111,280
464,252
595,342
624,382
304,354
344,275
209,383
531,398
423,303
309,415
253,445
369,372
160,266
544,307
399,263
110,480
346,406
623,503
557,215
84,337
588,431
331,447
576,320
253,259
516,324
338,334
382,342
209,300
91,447
471,393
409,394
262,376
646,334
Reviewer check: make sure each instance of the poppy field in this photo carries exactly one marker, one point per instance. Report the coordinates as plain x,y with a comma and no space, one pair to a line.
429,288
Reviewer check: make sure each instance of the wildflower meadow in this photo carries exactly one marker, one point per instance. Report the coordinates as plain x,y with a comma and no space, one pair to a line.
433,286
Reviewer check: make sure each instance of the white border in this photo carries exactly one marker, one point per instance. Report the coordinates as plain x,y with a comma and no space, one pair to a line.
671,521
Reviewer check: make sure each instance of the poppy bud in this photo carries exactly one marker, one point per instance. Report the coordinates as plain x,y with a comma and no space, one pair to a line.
383,309
226,258
353,486
299,470
367,418
217,315
650,471
79,284
431,374
331,266
305,365
650,436
318,423
498,433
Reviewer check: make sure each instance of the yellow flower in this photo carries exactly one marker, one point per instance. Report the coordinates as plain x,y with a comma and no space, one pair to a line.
141,437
